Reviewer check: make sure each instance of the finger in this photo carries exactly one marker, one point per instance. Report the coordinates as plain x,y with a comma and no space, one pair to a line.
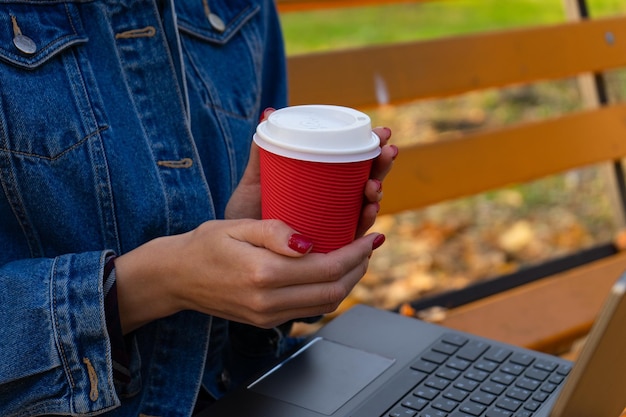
319,267
266,113
252,173
374,190
367,219
274,235
383,163
384,133
321,297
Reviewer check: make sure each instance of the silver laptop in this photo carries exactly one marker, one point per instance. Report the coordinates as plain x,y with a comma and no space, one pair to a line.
374,363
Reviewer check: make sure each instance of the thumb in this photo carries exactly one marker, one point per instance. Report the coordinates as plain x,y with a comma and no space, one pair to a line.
276,236
252,175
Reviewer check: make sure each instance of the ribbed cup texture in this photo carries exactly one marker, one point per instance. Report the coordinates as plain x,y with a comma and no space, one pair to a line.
322,201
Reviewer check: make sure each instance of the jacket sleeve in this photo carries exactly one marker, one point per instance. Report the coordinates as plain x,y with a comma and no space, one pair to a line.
54,349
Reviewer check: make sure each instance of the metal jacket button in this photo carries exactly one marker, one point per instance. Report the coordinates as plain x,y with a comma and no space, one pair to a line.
216,22
22,42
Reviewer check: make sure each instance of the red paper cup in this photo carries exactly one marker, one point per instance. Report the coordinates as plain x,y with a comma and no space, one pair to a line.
315,161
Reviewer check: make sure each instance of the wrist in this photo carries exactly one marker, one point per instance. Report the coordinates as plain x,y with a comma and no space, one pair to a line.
145,285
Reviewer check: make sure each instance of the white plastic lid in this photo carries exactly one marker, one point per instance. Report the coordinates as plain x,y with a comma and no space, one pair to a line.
319,133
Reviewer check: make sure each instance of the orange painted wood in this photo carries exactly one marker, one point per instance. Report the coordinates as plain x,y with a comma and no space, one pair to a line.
546,315
403,72
434,172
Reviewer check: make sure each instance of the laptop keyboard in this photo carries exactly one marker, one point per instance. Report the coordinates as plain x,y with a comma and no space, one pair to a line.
462,377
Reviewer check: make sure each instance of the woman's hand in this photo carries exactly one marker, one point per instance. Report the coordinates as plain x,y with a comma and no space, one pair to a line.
250,271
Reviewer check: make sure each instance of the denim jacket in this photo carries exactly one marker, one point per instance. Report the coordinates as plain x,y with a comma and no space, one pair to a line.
120,121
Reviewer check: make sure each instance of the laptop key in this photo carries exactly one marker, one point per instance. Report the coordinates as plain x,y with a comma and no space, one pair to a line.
400,411
522,358
426,392
497,354
466,384
431,412
476,375
545,365
556,379
437,383
483,398
508,404
444,405
498,412
485,365
413,402
564,370
532,405
455,394
502,378
445,348
460,364
454,339
526,383
472,350
435,357
518,394
422,365
512,368
474,409
537,374
493,388
448,373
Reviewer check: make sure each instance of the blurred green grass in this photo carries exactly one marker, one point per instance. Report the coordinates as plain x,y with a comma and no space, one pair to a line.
370,25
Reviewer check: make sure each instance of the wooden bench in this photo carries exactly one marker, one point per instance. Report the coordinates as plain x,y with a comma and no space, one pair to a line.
549,313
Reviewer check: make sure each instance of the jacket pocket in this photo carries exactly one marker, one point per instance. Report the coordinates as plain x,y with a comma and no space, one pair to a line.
45,107
215,21
223,62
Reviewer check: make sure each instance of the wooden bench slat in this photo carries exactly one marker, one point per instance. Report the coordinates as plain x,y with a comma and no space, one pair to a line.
449,169
546,315
401,72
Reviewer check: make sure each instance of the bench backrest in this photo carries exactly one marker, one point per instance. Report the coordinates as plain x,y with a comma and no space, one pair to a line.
476,162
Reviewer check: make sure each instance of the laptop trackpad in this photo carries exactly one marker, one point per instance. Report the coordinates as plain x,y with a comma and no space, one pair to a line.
322,376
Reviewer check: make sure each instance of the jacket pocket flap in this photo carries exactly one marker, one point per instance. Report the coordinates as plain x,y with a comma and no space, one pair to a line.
32,34
198,18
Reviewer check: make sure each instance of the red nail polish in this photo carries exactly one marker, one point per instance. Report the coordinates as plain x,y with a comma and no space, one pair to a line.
379,185
380,239
300,243
266,113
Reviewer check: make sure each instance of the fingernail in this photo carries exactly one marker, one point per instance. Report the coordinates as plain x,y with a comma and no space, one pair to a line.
266,113
386,129
300,243
395,151
380,239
